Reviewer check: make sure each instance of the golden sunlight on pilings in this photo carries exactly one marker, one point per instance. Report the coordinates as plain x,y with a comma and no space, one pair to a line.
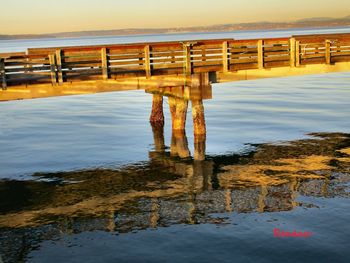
157,115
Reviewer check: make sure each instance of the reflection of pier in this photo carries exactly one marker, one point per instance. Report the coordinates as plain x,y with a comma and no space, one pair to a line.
268,179
179,98
166,190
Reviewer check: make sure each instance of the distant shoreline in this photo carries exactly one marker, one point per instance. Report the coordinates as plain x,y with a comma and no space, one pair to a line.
314,23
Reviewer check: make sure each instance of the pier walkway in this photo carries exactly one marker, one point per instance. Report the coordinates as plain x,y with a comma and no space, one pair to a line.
55,71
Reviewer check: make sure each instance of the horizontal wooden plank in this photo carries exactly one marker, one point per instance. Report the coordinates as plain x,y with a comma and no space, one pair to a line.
277,58
343,53
23,69
126,56
244,60
125,62
168,65
276,48
273,64
308,56
275,53
166,60
243,66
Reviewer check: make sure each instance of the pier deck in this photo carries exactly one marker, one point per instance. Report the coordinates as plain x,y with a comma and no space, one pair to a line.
55,71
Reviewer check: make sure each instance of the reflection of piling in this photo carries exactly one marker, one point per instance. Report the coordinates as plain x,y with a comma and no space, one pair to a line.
199,147
179,144
158,137
157,116
199,129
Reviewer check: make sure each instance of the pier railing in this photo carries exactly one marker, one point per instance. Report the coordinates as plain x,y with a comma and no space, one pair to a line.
69,64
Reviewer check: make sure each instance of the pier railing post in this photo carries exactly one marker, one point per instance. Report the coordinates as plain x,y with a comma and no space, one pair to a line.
104,62
187,53
328,52
148,61
260,47
297,53
59,66
225,65
3,73
292,52
52,61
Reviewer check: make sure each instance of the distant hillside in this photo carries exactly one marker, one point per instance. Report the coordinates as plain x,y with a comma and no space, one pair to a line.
316,22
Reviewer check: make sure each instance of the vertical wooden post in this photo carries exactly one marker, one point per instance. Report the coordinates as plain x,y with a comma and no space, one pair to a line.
148,62
260,54
104,61
225,66
204,58
292,52
157,115
198,117
59,66
52,60
3,73
173,57
187,54
297,53
179,121
328,52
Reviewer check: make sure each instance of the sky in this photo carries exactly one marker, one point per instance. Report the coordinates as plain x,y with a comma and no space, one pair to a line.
51,16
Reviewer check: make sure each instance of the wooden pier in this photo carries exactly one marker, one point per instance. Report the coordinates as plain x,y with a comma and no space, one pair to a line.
43,72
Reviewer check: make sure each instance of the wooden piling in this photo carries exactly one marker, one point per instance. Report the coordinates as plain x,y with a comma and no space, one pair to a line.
328,52
53,74
292,52
260,46
148,69
225,62
59,66
157,115
187,57
198,117
179,122
297,53
3,73
104,62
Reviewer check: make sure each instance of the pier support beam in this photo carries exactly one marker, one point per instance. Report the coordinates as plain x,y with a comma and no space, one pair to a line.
292,52
157,115
198,118
260,47
3,74
178,110
199,129
328,52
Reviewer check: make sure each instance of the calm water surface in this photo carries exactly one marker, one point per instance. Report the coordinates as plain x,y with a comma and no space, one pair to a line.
81,180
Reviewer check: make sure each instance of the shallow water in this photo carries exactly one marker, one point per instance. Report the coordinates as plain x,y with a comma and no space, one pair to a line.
81,180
